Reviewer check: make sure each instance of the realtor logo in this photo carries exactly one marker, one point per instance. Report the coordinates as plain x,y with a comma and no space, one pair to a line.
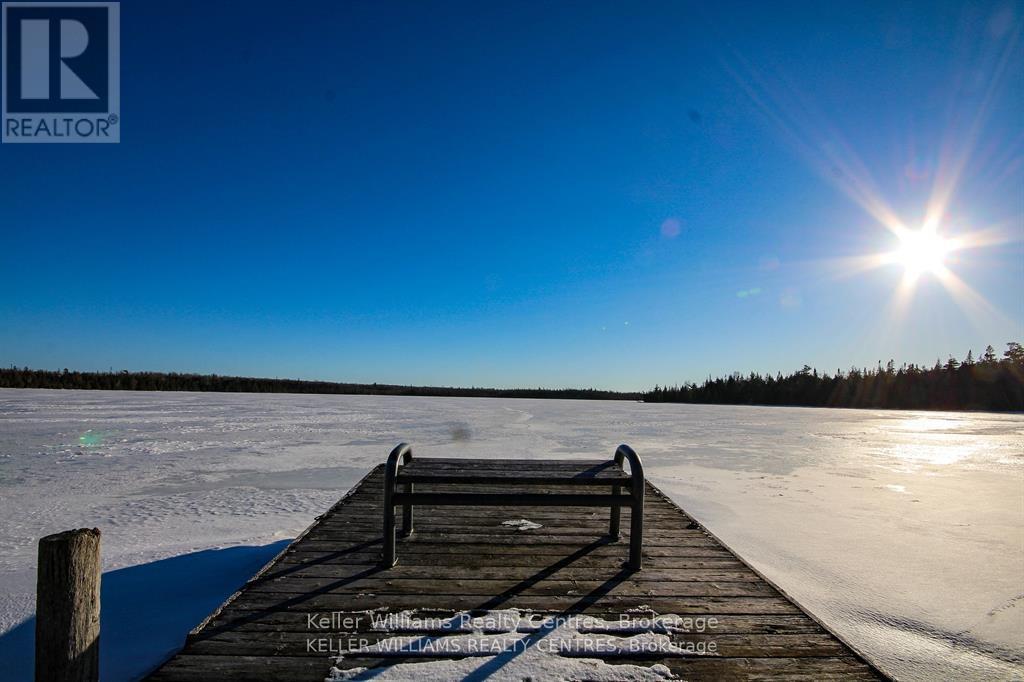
61,72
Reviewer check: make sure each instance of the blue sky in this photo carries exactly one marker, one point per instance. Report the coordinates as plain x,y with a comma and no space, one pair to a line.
522,194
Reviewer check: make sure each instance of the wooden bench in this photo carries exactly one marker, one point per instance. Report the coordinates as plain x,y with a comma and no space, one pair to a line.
402,472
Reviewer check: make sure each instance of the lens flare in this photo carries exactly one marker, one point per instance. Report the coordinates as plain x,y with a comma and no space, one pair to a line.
90,439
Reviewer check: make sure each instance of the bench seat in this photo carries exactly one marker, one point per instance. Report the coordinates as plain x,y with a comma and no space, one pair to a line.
514,472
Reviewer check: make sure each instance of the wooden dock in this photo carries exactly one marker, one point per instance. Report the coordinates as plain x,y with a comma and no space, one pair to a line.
289,621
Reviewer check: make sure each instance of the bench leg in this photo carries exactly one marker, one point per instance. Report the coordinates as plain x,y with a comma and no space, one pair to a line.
388,555
613,524
407,514
636,528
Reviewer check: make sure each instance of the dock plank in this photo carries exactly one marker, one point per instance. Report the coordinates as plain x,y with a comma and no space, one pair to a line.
464,559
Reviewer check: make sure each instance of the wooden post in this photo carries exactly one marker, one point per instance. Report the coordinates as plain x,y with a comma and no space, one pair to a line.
68,607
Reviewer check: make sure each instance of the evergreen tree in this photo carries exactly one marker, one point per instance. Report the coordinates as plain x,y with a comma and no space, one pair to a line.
1014,353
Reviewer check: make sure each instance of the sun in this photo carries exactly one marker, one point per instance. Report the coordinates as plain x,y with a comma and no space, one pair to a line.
922,251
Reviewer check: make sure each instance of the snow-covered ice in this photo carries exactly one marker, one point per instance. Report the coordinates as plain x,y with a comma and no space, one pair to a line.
901,530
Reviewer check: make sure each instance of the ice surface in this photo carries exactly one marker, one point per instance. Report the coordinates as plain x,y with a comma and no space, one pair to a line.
901,530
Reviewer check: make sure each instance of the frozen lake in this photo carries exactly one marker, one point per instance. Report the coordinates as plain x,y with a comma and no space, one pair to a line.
902,531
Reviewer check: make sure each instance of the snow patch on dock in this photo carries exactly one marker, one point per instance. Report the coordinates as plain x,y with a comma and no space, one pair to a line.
522,524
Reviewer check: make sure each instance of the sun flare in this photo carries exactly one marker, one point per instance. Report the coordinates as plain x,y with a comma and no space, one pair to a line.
922,251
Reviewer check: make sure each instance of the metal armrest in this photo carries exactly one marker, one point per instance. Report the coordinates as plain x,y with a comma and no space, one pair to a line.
636,518
402,451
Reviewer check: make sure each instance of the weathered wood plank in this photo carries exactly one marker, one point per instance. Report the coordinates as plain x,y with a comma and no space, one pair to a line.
362,621
477,587
328,541
509,557
254,601
454,531
241,668
553,546
488,573
290,643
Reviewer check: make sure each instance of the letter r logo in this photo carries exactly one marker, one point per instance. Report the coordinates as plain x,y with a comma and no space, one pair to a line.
57,57
36,56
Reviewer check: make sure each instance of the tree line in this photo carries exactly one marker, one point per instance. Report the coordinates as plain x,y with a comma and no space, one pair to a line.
23,377
988,382
985,383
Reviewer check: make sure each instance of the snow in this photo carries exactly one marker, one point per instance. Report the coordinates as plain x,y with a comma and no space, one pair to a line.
901,530
522,524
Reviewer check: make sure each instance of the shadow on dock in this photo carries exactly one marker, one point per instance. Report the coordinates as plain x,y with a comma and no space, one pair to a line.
147,609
